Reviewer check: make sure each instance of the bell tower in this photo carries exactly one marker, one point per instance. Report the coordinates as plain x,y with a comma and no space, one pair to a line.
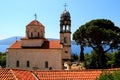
65,28
65,35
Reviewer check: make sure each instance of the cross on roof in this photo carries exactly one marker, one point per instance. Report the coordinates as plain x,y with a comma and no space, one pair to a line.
65,5
35,16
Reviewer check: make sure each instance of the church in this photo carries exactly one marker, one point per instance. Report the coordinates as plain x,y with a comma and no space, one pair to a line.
35,52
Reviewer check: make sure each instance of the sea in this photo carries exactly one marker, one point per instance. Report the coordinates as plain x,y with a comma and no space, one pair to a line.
3,48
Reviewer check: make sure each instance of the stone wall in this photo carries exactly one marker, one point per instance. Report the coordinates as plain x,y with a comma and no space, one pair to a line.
36,57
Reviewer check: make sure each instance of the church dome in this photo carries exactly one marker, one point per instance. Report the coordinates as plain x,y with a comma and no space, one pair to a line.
35,23
65,13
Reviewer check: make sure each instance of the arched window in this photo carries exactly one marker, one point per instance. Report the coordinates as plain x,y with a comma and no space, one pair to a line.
65,39
67,28
17,63
64,28
28,64
46,64
31,34
38,34
41,34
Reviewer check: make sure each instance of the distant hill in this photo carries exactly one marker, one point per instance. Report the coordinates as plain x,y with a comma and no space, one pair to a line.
5,43
10,40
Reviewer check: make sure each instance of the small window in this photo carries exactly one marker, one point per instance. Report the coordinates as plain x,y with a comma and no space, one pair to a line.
31,34
66,51
38,34
65,39
46,64
50,68
17,63
28,64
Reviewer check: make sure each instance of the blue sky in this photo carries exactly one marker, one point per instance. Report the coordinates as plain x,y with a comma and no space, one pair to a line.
16,14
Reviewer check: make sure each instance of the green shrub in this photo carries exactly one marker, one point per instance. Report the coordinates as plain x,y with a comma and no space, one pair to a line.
106,75
116,75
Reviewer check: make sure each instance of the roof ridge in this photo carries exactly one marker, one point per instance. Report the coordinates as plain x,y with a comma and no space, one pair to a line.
35,75
13,74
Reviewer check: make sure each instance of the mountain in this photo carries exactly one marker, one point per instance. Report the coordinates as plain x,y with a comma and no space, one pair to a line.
10,40
5,43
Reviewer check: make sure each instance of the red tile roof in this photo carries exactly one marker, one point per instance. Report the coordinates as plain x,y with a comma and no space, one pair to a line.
52,44
16,44
68,75
6,74
35,23
55,44
23,75
17,74
14,74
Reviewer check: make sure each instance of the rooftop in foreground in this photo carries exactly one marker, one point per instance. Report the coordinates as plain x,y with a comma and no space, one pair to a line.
17,74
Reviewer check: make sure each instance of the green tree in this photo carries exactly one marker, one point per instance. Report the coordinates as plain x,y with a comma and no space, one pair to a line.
81,56
109,58
87,60
97,34
74,57
107,75
116,75
2,59
94,60
116,58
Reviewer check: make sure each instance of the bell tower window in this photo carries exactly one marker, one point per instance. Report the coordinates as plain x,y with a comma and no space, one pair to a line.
65,39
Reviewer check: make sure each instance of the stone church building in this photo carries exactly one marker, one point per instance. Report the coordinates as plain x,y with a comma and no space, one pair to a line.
34,51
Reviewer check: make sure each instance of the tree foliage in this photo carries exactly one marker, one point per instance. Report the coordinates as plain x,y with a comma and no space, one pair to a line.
116,59
107,75
98,34
2,59
74,57
112,60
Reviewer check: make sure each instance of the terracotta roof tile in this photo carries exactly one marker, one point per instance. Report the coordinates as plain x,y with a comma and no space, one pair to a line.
55,44
23,75
35,23
6,74
46,45
16,44
16,74
68,75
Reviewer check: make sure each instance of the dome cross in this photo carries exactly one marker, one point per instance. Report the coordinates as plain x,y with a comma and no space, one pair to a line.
65,5
35,16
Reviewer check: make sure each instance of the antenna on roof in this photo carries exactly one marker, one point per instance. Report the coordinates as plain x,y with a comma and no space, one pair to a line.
65,5
35,16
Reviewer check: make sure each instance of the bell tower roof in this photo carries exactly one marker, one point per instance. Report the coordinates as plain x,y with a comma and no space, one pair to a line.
65,13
